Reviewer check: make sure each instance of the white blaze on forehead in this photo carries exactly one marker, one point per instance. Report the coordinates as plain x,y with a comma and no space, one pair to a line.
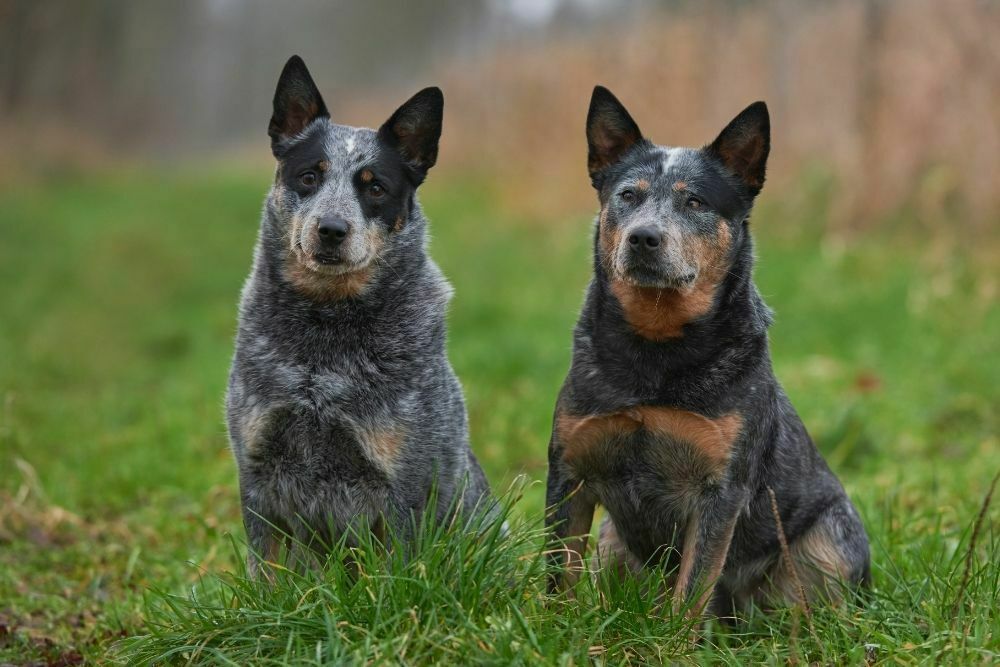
671,156
351,143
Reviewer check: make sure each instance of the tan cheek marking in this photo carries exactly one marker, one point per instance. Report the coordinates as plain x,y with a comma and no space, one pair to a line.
658,314
324,287
398,225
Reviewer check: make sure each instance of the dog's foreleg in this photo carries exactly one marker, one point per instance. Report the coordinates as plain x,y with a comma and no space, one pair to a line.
263,543
707,538
568,519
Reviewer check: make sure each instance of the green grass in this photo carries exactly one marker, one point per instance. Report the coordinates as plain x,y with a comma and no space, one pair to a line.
117,310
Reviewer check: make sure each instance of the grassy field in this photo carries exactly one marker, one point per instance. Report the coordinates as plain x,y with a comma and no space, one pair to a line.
118,494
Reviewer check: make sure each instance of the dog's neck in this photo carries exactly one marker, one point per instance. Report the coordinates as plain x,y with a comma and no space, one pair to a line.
710,351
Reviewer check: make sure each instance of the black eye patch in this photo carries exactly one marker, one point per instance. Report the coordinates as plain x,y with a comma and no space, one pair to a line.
307,155
388,173
701,179
639,165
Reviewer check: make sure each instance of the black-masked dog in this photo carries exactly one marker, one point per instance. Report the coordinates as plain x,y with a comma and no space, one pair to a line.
343,411
671,417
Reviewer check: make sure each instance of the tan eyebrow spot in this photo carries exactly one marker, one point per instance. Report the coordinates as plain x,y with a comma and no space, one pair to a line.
324,166
679,185
642,184
367,176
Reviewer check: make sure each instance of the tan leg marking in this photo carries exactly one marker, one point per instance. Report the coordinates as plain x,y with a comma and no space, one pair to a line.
687,559
612,552
271,553
384,445
820,564
581,518
258,422
710,573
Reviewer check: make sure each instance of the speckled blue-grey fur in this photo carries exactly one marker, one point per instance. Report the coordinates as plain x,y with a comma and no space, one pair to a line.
342,409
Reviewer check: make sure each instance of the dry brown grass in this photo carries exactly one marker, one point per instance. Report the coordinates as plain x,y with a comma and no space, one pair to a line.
900,101
895,102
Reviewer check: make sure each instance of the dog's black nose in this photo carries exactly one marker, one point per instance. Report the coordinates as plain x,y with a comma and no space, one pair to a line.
644,238
333,230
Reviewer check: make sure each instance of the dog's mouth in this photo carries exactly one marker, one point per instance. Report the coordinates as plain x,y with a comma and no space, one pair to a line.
645,274
328,259
331,263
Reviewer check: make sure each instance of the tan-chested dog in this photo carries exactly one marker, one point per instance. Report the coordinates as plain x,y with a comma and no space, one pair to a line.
671,417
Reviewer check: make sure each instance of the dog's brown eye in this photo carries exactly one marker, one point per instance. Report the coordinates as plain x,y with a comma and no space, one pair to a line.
308,178
376,190
694,202
627,196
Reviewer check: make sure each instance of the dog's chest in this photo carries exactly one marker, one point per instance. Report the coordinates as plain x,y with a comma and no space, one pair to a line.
648,454
340,420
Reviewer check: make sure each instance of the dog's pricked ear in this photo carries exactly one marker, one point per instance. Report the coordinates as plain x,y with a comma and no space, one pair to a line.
744,145
297,103
610,132
415,129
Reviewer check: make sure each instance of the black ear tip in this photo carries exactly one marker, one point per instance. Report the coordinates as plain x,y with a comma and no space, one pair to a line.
293,64
602,95
432,95
430,98
759,111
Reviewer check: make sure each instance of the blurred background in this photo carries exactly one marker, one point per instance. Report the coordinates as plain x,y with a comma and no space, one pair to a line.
898,103
134,161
